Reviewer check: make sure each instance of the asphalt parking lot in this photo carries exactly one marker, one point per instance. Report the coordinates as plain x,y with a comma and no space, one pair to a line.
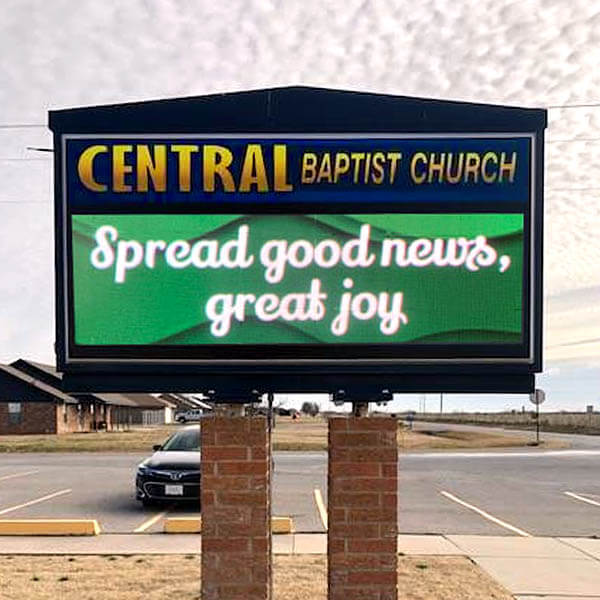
524,492
100,486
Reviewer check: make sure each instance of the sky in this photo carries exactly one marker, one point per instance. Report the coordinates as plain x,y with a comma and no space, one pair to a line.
537,53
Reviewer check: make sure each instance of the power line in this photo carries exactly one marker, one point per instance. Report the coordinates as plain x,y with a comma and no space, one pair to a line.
561,106
583,189
46,160
572,140
21,125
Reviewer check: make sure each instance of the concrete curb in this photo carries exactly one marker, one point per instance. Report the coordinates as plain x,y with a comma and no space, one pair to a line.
282,525
279,525
182,525
49,527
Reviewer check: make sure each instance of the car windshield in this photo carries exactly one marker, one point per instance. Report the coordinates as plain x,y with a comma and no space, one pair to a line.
187,440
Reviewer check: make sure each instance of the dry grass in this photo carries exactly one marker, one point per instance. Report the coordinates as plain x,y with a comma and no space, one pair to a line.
160,577
304,434
446,578
562,422
135,440
310,433
441,440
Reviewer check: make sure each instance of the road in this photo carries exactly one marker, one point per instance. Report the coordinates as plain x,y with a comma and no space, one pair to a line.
575,441
516,492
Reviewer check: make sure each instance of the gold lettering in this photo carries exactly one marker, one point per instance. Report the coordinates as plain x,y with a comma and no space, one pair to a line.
216,161
367,168
85,168
436,167
184,164
357,158
309,164
325,170
489,157
280,167
120,169
394,158
155,167
472,166
342,165
454,178
509,167
253,170
377,172
418,157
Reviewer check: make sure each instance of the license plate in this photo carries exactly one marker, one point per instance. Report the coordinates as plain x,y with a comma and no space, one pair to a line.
173,490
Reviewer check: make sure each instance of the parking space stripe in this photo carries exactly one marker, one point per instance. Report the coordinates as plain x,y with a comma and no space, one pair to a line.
147,524
321,508
36,501
485,515
15,475
582,498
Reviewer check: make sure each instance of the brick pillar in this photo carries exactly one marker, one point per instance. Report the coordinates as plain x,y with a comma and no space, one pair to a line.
363,509
236,508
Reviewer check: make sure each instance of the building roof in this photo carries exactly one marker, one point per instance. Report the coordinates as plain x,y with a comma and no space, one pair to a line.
145,401
50,376
178,401
19,385
46,373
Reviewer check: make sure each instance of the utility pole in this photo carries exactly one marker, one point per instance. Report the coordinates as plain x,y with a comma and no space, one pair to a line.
537,424
271,417
441,403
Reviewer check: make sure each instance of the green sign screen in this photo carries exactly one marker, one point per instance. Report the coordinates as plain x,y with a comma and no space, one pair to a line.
202,279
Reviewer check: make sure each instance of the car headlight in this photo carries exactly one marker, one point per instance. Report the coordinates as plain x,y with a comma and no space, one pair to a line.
143,470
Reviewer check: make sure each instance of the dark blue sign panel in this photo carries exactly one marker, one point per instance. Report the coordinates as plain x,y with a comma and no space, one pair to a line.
157,173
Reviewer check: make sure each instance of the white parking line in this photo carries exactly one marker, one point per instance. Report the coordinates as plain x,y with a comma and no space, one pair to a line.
15,475
493,454
321,508
485,515
36,501
147,524
582,498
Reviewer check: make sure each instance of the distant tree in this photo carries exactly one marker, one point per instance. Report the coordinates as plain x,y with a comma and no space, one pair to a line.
310,408
305,408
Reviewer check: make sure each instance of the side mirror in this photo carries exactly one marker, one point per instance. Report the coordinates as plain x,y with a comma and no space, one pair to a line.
156,447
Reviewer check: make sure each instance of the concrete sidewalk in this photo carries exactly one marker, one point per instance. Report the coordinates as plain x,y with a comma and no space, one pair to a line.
530,568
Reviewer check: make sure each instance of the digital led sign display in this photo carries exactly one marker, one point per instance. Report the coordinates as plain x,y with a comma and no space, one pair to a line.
298,279
297,251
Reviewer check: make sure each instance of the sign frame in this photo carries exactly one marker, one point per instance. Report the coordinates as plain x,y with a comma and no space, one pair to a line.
366,376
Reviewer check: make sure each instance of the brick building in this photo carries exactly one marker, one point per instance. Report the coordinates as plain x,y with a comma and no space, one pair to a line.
28,405
32,401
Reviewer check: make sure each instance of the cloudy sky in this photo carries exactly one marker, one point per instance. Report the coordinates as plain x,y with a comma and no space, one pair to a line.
538,53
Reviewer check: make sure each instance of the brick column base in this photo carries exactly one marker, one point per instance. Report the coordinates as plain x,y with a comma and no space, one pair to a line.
363,509
236,508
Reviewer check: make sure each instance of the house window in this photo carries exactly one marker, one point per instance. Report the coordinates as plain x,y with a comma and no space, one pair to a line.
15,413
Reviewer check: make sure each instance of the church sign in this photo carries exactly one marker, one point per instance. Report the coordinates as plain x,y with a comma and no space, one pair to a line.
301,254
